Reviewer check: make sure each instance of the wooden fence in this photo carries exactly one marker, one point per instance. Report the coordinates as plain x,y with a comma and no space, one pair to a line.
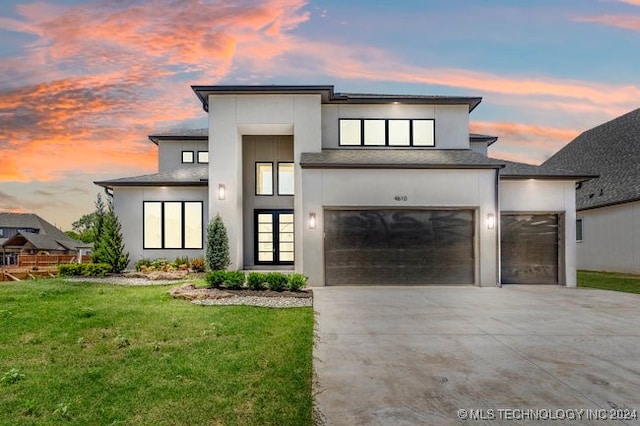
27,260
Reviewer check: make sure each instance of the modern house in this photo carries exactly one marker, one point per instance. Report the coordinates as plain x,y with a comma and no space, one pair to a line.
351,189
608,208
28,233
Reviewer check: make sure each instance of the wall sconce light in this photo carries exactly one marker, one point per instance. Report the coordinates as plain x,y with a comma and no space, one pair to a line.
312,221
222,192
491,221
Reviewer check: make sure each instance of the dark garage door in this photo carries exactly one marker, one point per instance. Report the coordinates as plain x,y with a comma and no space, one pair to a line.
529,249
386,247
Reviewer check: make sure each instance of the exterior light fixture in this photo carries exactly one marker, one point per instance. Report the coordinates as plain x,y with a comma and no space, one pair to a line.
222,192
491,221
312,221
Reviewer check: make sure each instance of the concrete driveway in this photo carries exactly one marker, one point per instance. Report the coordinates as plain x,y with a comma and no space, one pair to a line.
421,355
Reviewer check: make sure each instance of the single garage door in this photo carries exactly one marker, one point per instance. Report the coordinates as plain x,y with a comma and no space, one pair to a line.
401,247
529,248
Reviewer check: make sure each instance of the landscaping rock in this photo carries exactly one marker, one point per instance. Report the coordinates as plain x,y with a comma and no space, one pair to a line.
189,291
166,276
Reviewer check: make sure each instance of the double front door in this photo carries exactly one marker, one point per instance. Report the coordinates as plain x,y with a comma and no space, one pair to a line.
274,237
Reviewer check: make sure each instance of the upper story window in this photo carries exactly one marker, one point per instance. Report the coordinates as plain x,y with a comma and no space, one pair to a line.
203,157
187,157
285,178
387,132
264,178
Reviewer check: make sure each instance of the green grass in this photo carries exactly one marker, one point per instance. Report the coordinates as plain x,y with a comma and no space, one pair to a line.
78,353
609,281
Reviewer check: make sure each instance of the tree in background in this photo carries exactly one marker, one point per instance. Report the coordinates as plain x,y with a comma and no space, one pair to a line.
109,246
89,225
217,252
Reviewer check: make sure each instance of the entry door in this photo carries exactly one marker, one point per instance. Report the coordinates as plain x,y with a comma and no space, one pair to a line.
274,237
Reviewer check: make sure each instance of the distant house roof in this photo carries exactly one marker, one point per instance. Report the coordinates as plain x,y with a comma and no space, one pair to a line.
610,150
190,176
329,96
48,236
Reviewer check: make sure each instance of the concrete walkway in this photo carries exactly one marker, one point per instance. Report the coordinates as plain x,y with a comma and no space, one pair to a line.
420,355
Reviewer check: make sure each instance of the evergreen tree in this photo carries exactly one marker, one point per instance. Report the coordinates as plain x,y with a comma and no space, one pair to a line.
98,222
217,252
110,247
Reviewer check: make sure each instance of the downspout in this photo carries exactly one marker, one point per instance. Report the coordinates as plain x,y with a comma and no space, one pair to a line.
106,191
498,246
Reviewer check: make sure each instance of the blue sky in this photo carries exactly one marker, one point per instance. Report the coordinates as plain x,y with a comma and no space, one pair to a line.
82,83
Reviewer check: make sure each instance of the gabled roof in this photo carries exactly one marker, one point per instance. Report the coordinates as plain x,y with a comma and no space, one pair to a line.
48,237
610,150
190,176
329,96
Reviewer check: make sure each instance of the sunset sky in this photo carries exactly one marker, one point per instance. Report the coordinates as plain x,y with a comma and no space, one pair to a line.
83,82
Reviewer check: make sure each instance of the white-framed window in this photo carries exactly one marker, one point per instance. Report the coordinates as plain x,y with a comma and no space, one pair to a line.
579,229
187,157
387,132
172,224
203,157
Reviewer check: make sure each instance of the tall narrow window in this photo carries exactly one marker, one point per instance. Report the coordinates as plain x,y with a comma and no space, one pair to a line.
172,225
264,178
579,230
193,225
285,178
203,157
152,224
350,132
187,156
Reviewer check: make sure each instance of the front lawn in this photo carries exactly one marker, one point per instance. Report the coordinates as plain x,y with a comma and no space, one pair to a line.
83,353
609,281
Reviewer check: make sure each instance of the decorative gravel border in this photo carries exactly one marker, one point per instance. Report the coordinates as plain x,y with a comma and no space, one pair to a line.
265,302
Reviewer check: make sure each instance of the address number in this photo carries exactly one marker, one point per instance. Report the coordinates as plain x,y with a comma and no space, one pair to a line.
401,198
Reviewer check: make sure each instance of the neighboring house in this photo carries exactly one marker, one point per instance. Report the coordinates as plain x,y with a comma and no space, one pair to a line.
351,189
608,208
28,233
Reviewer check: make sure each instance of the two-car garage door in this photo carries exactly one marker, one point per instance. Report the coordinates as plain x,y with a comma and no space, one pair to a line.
399,246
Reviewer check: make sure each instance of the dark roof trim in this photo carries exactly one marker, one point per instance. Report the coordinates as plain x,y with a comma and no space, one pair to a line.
475,137
111,185
156,138
614,203
329,96
577,178
311,165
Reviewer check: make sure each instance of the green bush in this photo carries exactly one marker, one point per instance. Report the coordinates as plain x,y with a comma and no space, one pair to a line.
84,269
277,281
228,279
181,263
234,279
256,281
198,265
296,282
142,264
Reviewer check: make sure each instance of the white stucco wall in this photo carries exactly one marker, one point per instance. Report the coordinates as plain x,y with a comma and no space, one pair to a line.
128,206
465,189
610,239
545,196
451,121
170,153
231,117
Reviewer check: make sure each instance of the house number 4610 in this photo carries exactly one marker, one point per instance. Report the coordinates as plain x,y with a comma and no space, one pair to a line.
401,198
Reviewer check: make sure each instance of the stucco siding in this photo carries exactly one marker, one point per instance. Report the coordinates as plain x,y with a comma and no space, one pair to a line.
128,206
170,153
610,239
466,189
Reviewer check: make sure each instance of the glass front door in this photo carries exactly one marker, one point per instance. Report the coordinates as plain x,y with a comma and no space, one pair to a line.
274,237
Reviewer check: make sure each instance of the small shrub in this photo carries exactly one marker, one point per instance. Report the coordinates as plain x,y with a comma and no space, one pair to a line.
84,269
142,264
70,270
181,263
257,281
198,265
277,281
296,282
234,279
11,377
215,279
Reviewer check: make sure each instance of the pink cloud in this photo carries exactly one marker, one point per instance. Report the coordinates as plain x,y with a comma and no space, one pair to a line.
626,22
